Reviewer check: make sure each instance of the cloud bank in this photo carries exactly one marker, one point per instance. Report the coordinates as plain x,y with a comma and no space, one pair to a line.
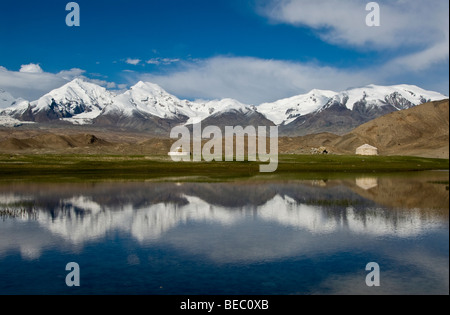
31,81
343,22
412,45
418,28
252,80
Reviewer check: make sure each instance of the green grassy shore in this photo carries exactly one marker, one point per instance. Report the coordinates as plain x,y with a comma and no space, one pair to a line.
108,167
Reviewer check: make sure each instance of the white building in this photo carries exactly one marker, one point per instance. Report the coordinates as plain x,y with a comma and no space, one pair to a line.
366,150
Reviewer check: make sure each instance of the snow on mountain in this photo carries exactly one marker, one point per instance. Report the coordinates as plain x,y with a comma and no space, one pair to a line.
75,101
227,105
287,110
152,99
8,121
149,98
205,109
9,105
284,112
400,96
18,106
6,99
76,92
81,102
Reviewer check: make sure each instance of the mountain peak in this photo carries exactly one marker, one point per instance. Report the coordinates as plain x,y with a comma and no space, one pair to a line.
77,81
76,87
149,87
6,99
140,84
73,98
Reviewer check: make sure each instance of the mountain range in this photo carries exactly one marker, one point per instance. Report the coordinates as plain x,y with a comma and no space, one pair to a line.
419,131
147,107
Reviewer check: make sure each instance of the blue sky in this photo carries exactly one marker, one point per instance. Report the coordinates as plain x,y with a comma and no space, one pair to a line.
251,50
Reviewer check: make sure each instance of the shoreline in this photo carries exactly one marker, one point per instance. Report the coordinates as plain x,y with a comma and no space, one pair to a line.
51,167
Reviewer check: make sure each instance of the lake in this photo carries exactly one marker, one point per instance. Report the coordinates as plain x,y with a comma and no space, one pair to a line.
246,237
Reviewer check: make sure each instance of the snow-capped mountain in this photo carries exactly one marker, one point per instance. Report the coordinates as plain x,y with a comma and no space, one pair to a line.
371,97
152,99
340,112
399,96
9,122
141,107
147,106
285,111
229,112
6,99
75,101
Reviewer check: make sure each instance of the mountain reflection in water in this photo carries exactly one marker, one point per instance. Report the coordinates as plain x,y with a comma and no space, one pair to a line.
224,223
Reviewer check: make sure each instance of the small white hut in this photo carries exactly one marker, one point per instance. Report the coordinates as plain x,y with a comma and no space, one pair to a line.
366,150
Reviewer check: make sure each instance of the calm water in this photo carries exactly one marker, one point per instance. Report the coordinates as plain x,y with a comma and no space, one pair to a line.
259,237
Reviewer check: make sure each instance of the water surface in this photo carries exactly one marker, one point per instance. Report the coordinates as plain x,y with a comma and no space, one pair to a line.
246,237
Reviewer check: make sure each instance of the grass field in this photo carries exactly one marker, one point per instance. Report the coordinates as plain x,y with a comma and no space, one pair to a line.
109,167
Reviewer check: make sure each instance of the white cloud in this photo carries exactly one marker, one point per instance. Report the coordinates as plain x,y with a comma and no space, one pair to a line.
71,74
108,85
111,85
343,23
252,80
424,59
31,68
29,85
31,82
164,61
154,61
133,62
416,30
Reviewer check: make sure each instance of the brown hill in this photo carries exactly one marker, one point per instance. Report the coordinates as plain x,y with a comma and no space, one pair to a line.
304,144
51,142
421,131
